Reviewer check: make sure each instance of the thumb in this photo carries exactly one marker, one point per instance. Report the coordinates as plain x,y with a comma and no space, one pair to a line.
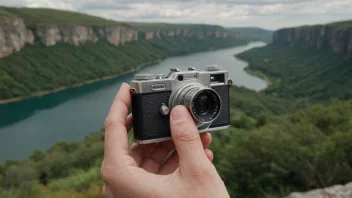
186,138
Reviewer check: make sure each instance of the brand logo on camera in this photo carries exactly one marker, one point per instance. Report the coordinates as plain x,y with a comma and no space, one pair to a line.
158,87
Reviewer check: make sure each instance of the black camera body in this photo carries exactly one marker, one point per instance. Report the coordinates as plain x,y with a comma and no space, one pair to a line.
204,93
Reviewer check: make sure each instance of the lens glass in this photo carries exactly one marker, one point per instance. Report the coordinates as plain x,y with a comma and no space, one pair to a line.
206,105
202,104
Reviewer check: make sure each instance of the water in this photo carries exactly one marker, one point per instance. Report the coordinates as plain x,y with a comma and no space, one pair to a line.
68,115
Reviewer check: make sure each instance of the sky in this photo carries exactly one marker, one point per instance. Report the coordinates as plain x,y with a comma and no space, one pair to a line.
268,14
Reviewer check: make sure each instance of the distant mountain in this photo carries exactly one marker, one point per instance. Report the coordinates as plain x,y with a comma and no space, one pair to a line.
253,33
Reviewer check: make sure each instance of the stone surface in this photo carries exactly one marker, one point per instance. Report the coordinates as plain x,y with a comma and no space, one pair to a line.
150,35
337,39
13,35
75,35
338,191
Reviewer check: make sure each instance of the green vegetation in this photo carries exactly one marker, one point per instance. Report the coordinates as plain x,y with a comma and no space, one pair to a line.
267,151
342,24
37,68
254,34
301,151
302,73
3,12
44,16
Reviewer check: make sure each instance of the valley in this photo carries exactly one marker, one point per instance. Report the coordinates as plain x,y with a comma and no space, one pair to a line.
293,136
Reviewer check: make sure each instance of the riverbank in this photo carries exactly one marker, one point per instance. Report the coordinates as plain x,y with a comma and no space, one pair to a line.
256,73
69,115
62,88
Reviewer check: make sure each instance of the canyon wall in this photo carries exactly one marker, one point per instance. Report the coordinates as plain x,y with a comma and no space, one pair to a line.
14,34
150,35
332,36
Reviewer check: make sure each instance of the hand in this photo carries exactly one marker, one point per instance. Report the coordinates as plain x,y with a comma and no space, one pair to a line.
141,170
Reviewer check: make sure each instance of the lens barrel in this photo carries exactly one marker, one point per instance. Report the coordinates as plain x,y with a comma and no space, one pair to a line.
203,103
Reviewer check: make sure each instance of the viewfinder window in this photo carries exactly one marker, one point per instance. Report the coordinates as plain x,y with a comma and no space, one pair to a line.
217,78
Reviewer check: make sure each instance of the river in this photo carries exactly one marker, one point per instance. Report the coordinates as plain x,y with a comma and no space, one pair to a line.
38,123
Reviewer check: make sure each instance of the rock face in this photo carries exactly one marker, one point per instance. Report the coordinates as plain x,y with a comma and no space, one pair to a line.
75,35
331,192
334,37
13,35
117,35
150,35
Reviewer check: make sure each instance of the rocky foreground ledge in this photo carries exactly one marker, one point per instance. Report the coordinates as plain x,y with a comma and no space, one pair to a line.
338,191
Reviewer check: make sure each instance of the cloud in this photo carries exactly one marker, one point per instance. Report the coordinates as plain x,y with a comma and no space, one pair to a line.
63,5
271,14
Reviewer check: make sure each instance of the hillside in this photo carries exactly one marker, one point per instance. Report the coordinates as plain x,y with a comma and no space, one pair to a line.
43,50
167,26
252,33
335,36
307,62
45,16
302,73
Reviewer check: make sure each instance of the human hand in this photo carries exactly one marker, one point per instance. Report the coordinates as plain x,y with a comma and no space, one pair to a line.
141,170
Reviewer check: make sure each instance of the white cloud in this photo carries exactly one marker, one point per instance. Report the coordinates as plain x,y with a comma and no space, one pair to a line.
63,5
271,14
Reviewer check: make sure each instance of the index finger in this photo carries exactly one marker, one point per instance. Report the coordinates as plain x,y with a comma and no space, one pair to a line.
116,138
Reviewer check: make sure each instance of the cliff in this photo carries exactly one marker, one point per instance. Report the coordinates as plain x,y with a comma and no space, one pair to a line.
335,36
15,34
199,34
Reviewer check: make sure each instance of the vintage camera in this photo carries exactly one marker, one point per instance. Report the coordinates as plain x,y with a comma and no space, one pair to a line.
204,93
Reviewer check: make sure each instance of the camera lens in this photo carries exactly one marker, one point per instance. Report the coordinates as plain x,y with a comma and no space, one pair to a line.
203,103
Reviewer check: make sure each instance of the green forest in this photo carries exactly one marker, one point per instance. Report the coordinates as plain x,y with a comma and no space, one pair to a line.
302,72
38,68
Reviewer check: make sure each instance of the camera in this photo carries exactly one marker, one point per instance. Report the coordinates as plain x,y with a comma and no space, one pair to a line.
204,93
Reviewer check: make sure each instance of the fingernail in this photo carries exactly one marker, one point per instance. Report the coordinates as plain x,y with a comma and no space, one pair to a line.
179,113
124,84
